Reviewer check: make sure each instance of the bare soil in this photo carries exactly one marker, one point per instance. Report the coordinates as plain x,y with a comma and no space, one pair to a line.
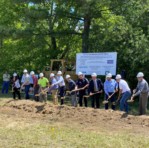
95,120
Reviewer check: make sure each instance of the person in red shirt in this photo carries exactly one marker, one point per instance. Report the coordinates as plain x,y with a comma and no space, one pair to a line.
35,85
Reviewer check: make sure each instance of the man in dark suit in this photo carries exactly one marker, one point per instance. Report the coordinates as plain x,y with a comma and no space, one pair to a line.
95,89
71,86
82,83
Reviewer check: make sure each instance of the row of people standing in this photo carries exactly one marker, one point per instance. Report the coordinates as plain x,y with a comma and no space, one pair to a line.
111,87
41,84
93,88
14,80
27,82
141,90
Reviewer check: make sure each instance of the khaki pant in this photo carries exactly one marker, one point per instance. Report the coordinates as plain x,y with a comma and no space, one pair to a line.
54,97
43,97
143,100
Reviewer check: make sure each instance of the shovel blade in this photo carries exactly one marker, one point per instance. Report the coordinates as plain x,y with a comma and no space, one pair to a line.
105,102
130,101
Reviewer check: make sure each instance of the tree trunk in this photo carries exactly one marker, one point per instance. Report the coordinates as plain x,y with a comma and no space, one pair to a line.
85,35
51,25
53,41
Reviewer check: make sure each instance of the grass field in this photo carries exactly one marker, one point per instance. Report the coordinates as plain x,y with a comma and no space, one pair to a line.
27,130
53,136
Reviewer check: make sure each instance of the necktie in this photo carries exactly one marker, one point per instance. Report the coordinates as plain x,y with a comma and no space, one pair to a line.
95,85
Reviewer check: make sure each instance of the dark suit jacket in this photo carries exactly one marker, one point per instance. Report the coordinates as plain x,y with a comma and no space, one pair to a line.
71,86
99,84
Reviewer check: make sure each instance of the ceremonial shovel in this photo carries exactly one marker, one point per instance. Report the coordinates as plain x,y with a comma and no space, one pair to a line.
107,101
42,92
69,92
87,96
130,100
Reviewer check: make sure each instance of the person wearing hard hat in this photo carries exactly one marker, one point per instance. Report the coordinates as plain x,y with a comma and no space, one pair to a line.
124,93
142,91
95,89
61,83
16,86
43,82
54,89
110,86
82,83
71,86
26,83
35,85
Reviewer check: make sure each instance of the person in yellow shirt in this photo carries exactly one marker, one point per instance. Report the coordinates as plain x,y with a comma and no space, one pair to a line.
43,83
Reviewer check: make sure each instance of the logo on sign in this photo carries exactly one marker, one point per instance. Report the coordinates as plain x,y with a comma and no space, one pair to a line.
110,61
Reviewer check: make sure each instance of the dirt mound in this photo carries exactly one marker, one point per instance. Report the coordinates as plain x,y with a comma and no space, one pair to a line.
87,117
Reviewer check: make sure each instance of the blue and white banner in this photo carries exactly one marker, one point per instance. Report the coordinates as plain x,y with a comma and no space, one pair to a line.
101,63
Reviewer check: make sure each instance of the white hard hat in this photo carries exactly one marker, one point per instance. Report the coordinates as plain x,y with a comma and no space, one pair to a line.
32,73
59,72
25,71
67,76
52,75
118,76
15,74
94,74
80,73
140,74
41,75
109,75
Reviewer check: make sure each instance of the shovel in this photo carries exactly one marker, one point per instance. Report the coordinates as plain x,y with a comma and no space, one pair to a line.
131,100
107,101
69,92
87,96
42,92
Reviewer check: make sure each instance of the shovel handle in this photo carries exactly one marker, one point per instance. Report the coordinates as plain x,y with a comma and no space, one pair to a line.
111,96
76,90
104,102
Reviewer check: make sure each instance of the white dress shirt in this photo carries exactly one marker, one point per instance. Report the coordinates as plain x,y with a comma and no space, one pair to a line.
60,81
17,84
26,79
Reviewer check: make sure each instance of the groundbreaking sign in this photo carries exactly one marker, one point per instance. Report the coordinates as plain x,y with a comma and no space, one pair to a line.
100,63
